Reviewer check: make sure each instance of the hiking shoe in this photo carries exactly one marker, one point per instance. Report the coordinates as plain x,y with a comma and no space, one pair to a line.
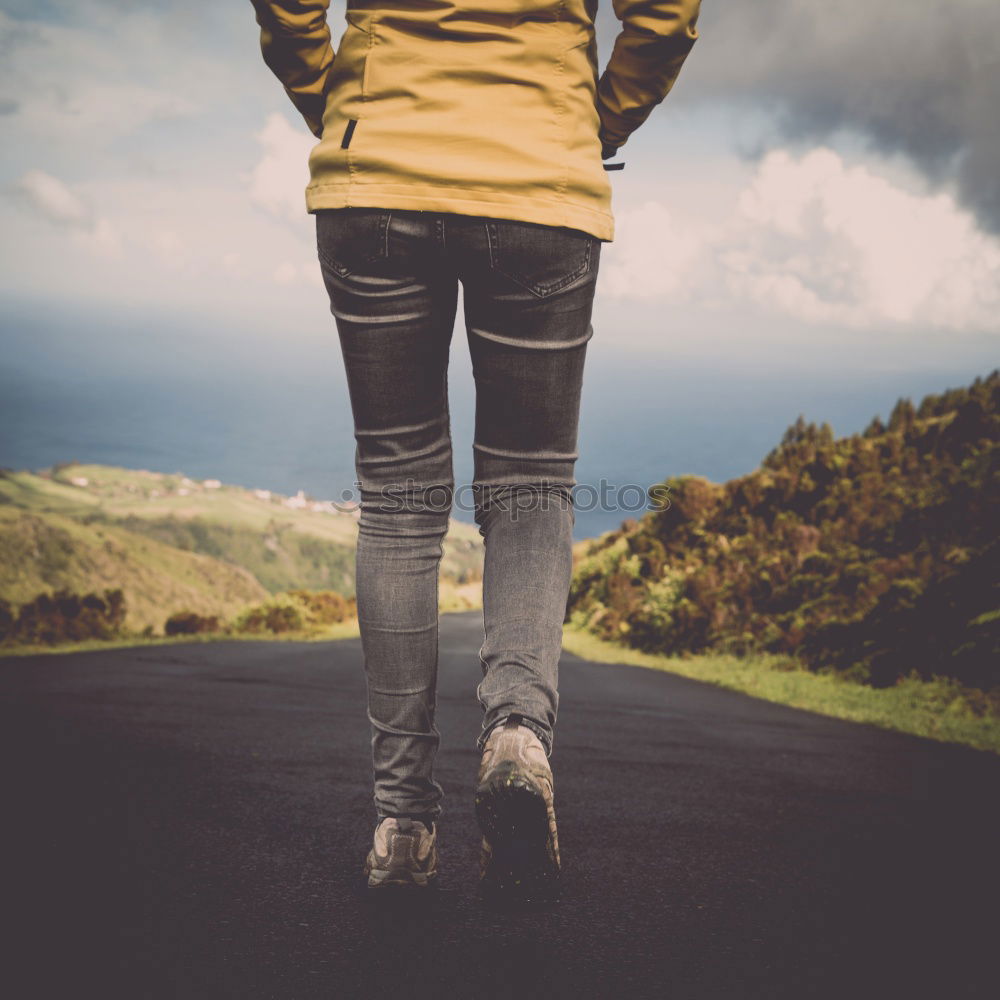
404,854
519,855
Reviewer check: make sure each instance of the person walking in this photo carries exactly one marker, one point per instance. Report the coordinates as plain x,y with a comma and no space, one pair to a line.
463,143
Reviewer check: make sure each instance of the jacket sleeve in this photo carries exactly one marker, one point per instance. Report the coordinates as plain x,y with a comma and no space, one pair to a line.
655,39
296,45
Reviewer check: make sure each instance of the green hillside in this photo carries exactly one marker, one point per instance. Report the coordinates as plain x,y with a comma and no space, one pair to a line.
47,552
873,555
173,543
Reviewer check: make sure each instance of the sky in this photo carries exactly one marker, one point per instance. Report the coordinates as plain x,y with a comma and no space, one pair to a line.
820,193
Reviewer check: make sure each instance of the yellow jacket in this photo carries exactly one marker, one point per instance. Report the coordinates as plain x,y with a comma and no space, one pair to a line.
480,107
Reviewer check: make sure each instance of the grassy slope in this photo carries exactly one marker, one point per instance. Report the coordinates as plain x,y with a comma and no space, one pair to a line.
44,552
173,543
158,500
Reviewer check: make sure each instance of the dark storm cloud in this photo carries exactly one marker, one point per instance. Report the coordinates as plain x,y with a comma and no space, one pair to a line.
915,77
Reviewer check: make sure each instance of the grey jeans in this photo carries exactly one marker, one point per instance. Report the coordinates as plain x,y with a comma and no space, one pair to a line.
392,277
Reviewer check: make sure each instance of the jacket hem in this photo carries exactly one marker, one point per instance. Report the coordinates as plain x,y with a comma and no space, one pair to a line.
462,201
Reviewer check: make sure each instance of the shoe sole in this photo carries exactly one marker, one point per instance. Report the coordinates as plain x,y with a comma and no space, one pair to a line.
380,878
514,818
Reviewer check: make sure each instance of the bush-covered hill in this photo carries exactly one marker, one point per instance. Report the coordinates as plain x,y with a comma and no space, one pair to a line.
874,554
172,543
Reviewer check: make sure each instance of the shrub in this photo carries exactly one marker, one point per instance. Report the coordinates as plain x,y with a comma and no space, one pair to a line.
6,620
325,607
67,617
869,556
276,616
190,623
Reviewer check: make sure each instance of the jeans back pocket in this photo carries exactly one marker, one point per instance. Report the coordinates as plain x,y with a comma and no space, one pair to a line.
350,239
541,258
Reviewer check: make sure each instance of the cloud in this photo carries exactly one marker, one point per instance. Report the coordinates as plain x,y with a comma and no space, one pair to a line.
915,78
171,248
308,273
93,106
654,255
210,209
279,180
832,242
52,199
114,74
286,273
822,241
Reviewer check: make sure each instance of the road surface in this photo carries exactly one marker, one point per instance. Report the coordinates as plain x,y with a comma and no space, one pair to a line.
190,821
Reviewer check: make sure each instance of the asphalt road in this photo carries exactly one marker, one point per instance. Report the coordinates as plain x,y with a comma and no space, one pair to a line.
190,822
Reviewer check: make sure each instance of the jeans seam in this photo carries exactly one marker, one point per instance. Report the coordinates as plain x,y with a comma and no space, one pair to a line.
386,220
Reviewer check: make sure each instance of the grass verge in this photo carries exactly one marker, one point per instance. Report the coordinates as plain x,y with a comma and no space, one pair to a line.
940,709
330,633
